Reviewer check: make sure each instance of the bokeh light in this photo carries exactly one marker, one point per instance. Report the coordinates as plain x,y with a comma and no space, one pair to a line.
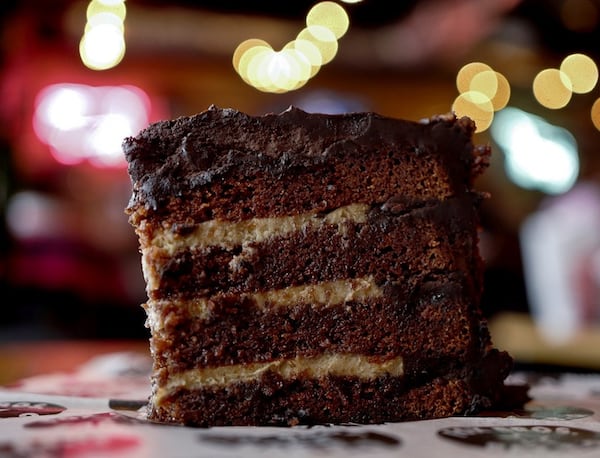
538,155
476,106
102,45
582,72
63,107
104,18
502,96
329,15
552,88
288,69
466,74
116,7
243,47
323,39
482,91
595,114
308,53
253,66
86,123
272,71
247,58
485,82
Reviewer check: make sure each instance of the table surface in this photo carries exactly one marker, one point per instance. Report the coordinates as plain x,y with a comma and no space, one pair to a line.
24,359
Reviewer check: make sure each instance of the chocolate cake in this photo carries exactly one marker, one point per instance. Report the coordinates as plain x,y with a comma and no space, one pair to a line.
309,268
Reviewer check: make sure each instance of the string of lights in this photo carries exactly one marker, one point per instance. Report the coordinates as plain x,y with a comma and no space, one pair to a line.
288,69
482,90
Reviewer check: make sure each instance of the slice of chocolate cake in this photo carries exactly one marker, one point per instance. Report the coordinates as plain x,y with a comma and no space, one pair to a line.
307,268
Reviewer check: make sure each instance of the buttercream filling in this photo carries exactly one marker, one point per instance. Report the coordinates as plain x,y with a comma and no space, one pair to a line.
338,365
325,294
229,234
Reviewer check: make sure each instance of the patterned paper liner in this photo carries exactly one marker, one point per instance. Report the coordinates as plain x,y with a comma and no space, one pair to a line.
77,415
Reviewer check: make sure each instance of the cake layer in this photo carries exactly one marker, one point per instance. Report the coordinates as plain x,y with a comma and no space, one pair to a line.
390,247
324,365
324,294
431,325
228,234
271,400
292,164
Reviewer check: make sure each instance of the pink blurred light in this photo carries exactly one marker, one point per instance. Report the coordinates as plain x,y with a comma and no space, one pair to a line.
88,123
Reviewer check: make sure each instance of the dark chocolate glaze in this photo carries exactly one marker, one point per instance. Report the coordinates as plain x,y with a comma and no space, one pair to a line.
172,158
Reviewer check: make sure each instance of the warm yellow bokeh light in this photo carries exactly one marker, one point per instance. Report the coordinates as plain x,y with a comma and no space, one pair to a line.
285,70
485,82
330,15
243,47
502,96
552,88
582,71
323,39
305,68
104,18
253,65
484,87
102,47
595,113
290,68
248,63
97,7
308,55
476,106
309,50
111,2
274,71
466,74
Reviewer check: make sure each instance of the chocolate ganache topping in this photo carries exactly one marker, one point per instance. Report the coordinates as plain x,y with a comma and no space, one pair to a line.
172,158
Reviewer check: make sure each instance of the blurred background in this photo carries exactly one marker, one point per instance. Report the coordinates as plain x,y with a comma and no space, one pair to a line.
70,92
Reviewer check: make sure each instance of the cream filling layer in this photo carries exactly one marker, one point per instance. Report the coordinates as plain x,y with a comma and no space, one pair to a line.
325,294
229,234
340,365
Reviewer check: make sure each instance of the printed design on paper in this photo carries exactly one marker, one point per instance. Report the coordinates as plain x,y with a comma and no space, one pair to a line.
13,409
314,440
550,438
69,447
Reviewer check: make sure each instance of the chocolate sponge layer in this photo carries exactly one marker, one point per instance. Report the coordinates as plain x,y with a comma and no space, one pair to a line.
404,248
426,327
222,164
271,400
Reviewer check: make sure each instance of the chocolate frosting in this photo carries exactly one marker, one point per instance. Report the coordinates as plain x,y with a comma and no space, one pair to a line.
173,158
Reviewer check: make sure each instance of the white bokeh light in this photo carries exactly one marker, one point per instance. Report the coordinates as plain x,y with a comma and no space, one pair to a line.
85,123
102,46
106,138
538,155
64,107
